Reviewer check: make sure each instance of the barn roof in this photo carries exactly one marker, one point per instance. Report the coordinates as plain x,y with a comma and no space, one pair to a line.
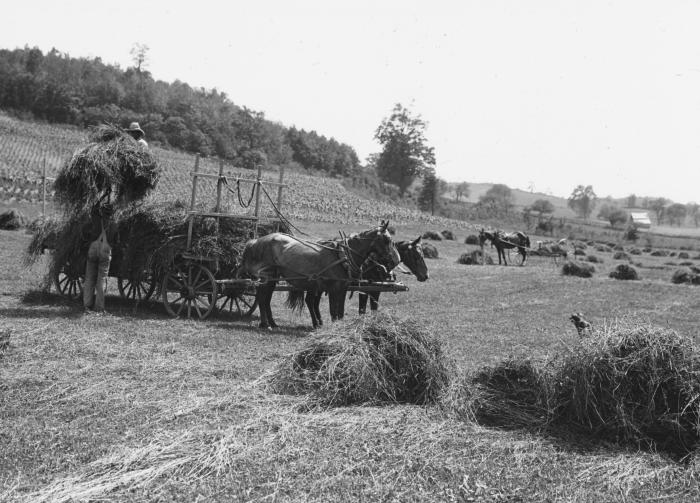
640,217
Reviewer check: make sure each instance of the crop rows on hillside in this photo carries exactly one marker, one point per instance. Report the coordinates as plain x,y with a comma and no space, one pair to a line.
23,147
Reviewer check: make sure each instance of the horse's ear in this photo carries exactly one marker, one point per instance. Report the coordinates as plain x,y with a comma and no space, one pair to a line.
384,225
417,241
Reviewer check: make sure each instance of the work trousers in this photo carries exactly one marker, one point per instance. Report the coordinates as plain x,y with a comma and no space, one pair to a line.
96,273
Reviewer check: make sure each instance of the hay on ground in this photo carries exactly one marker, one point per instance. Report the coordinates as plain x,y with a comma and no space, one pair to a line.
448,235
686,275
624,271
113,163
429,250
432,235
471,239
12,220
629,382
474,258
580,269
370,360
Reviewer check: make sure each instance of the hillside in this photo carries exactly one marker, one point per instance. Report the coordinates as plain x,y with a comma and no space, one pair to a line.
25,145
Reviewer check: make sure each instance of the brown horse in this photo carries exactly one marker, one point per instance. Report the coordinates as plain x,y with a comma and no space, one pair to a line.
312,267
503,241
411,253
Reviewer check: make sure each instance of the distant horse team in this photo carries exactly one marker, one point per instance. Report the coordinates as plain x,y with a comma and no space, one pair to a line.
506,241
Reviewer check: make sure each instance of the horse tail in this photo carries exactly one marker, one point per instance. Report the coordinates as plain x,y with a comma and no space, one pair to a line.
295,300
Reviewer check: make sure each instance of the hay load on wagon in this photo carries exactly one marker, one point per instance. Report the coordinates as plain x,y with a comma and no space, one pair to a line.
112,165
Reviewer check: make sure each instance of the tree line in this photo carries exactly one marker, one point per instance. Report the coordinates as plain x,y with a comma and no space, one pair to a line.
58,88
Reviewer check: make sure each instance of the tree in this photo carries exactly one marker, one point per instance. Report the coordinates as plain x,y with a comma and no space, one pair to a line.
693,210
139,55
658,206
462,190
405,154
499,198
582,200
542,206
433,187
676,214
631,201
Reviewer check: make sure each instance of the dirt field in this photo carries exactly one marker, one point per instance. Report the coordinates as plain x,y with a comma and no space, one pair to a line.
136,406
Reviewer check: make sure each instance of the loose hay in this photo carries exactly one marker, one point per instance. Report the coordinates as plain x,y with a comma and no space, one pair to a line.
580,269
629,382
113,163
621,255
624,271
374,359
448,235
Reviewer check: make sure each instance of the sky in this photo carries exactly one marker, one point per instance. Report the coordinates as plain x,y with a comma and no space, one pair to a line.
541,95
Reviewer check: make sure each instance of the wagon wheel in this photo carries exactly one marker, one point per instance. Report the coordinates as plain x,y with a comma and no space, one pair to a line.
187,291
68,281
137,289
520,258
238,300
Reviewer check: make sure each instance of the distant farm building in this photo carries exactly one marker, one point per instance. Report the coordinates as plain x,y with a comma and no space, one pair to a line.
640,220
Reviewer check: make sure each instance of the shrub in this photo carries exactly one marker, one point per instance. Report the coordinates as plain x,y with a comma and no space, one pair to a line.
12,220
448,235
432,235
429,250
471,239
620,255
580,269
374,359
474,258
624,271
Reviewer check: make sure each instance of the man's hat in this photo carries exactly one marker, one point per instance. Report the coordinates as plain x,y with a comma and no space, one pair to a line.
134,126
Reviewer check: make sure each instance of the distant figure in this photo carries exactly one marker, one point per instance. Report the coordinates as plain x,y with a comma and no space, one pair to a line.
583,327
99,256
137,133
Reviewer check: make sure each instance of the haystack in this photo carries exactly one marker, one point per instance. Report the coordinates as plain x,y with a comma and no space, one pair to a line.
686,275
374,359
12,220
580,269
430,250
629,382
475,257
624,271
113,163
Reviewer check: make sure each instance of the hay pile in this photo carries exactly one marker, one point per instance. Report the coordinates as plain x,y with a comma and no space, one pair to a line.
629,383
471,239
370,360
689,275
624,271
432,235
12,220
580,269
429,250
474,258
448,235
621,255
113,163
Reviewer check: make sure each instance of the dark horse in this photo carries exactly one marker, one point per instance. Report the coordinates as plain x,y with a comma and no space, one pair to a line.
411,253
312,267
502,241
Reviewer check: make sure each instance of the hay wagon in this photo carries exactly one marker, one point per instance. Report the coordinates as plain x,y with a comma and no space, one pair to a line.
196,282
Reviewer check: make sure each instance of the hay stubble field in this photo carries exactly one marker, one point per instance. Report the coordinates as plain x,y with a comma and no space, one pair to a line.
136,406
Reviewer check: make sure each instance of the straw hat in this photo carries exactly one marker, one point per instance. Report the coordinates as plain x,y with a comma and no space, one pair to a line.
134,127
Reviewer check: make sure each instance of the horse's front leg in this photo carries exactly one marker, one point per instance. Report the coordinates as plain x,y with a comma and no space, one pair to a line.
362,302
310,300
316,306
374,300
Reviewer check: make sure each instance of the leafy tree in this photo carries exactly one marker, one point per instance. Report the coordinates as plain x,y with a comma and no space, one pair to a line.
676,214
658,206
583,200
433,187
693,210
405,154
618,217
631,201
542,206
462,190
139,55
499,198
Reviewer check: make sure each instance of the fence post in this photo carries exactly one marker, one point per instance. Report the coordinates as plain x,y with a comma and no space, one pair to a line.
279,189
192,202
257,199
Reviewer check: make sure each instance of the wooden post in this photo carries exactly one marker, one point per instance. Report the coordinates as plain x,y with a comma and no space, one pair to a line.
257,199
279,189
219,186
43,189
192,202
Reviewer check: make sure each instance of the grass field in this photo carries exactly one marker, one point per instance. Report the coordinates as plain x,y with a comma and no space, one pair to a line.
136,406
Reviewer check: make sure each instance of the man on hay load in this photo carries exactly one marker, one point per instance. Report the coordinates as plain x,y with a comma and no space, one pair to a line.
137,133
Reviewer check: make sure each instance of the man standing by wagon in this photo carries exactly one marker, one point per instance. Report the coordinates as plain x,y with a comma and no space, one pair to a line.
99,257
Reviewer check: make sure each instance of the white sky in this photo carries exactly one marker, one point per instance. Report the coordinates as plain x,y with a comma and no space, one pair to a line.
550,93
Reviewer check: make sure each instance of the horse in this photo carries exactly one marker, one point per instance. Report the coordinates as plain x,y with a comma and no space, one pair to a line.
502,241
312,267
411,253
